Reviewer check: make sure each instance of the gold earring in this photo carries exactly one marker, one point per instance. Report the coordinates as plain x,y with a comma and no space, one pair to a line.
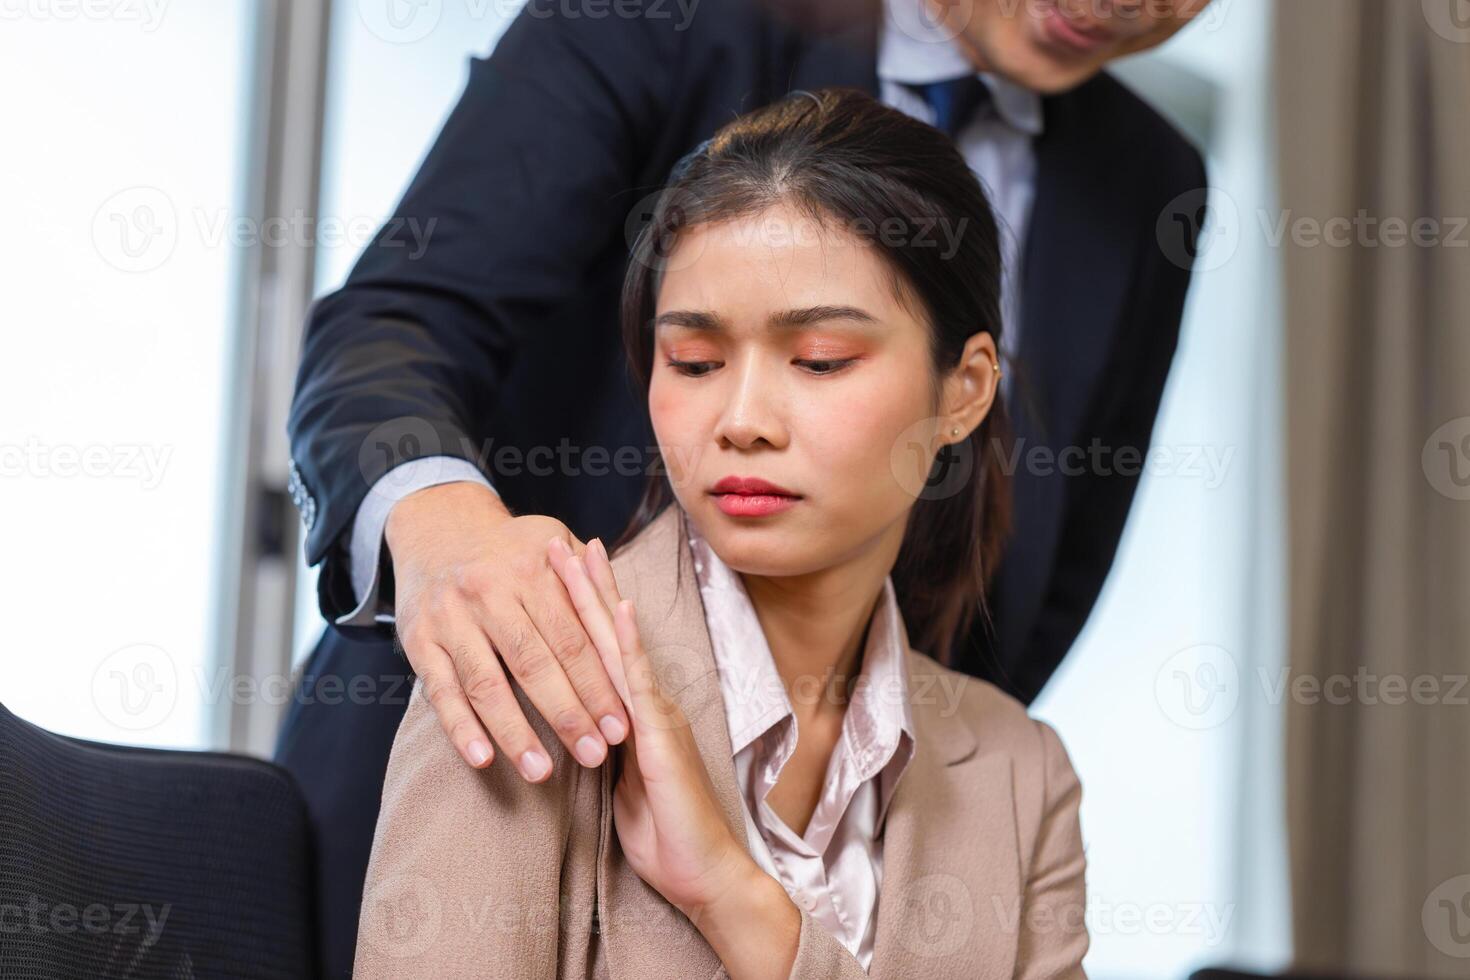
955,431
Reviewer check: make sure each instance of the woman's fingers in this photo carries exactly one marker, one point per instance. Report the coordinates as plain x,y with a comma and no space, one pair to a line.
583,656
596,618
596,614
650,709
599,566
612,623
630,771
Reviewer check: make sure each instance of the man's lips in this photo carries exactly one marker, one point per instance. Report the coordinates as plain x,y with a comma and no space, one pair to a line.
1069,34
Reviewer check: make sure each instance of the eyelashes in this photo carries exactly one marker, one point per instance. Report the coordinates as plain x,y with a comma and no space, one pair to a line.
826,365
691,369
816,366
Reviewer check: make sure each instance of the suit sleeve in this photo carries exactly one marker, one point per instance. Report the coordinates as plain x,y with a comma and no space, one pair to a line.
1055,892
1098,500
477,873
368,552
524,187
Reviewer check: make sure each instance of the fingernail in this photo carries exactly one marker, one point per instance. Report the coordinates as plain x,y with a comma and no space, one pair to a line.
612,729
479,751
589,751
561,546
597,543
534,765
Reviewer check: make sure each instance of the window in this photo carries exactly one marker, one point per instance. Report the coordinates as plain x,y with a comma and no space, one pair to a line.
119,185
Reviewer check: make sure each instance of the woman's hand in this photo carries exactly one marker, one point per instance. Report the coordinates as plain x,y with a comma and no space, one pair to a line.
669,822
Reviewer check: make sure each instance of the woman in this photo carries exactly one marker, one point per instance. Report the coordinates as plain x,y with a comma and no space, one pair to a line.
813,311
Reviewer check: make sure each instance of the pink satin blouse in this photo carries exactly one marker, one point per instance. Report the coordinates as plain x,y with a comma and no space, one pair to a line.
835,869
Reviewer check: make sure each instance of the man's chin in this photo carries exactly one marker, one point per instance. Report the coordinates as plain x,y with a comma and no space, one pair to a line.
1045,73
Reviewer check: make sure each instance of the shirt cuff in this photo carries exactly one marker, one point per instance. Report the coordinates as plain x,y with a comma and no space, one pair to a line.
367,549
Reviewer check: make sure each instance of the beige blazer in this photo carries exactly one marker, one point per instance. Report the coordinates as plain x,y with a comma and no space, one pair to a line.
476,873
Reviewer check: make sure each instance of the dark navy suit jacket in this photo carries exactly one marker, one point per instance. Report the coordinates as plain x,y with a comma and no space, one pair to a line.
502,335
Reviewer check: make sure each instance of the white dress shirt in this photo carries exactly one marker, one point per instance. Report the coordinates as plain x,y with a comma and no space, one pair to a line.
997,143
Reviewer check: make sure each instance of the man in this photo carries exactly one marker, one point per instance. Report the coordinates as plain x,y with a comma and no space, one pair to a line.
440,395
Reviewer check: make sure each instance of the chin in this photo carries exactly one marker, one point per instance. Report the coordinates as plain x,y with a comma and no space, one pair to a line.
1048,74
755,547
765,552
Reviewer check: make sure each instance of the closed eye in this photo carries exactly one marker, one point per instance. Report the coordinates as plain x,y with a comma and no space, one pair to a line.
693,369
825,366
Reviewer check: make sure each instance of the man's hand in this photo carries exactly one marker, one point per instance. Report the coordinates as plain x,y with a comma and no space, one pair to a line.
473,581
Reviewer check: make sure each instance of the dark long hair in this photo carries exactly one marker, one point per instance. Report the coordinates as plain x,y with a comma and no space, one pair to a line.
840,154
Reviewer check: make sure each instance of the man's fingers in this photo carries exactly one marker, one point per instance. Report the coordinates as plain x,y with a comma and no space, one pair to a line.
543,677
458,719
582,647
489,692
559,550
598,620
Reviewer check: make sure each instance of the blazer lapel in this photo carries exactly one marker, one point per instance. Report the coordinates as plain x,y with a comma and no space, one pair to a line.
951,854
645,936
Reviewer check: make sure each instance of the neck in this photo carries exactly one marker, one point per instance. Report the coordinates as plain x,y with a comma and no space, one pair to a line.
816,624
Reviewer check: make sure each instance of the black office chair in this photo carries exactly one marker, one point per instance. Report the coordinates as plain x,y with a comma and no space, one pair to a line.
120,862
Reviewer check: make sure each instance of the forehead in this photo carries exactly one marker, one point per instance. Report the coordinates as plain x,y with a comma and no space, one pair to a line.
747,268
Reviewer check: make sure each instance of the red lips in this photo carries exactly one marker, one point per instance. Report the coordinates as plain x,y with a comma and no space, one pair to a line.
748,496
751,486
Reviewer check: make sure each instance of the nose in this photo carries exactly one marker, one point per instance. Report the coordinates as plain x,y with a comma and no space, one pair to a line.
754,407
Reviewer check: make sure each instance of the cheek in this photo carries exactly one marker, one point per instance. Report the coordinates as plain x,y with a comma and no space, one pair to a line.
853,438
678,426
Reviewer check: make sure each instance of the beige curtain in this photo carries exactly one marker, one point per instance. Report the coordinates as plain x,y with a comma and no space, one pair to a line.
1373,123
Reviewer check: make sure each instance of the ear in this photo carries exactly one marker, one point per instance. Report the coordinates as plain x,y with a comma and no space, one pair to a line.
970,387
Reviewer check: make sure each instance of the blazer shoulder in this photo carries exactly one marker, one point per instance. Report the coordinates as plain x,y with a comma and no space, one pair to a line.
653,554
445,830
1000,723
978,701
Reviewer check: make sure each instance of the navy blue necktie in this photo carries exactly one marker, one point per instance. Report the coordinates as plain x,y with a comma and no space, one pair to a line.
954,100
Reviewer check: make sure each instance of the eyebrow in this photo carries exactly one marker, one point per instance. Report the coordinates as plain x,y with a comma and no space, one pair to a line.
786,319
